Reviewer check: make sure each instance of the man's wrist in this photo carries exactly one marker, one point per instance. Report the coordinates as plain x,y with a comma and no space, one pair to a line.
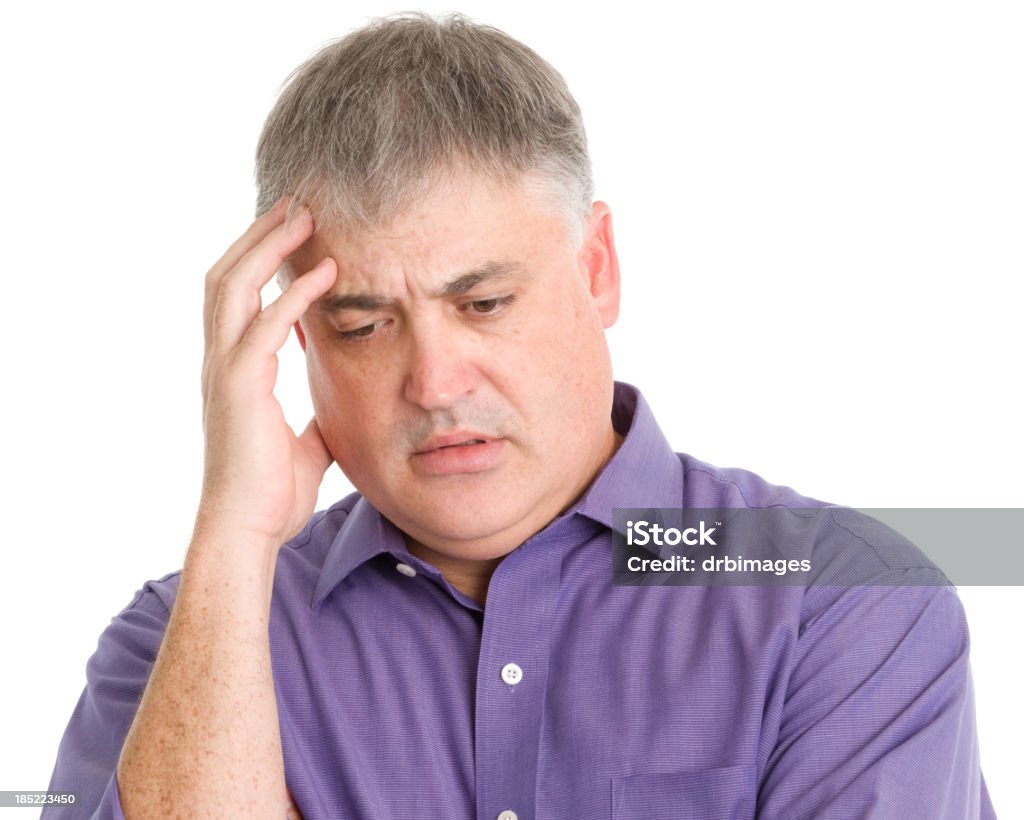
231,556
227,530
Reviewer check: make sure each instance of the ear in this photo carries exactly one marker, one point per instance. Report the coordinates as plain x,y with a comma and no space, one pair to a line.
599,263
300,335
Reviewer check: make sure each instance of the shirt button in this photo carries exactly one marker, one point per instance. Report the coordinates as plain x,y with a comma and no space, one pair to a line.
511,674
508,814
405,569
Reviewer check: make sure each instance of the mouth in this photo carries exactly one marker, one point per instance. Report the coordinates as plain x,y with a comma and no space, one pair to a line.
449,442
457,453
462,443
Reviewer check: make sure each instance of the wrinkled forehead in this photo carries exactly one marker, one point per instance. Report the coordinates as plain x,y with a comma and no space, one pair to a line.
464,222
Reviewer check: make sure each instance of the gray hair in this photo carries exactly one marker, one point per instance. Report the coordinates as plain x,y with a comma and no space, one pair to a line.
371,121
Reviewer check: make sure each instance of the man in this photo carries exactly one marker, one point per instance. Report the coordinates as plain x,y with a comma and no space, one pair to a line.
448,642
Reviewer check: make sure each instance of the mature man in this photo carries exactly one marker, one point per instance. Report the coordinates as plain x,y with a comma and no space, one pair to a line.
448,642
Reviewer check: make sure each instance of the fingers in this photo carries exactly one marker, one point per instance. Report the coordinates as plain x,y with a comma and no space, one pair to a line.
259,229
233,295
235,326
270,329
252,237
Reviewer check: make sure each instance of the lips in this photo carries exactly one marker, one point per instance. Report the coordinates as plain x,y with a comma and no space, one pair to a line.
462,444
457,453
450,440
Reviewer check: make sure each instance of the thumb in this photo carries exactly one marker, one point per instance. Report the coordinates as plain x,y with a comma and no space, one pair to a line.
312,444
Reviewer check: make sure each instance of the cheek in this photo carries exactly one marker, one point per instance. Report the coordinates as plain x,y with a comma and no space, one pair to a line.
583,363
573,337
342,377
348,405
556,359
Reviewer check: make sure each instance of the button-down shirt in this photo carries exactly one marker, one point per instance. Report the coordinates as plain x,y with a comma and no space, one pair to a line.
567,696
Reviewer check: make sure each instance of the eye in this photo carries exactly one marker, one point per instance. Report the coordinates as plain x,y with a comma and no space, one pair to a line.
360,333
484,307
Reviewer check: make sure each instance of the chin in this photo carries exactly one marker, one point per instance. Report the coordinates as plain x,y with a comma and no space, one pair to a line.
463,526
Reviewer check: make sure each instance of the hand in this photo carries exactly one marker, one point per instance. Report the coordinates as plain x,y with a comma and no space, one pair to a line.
260,479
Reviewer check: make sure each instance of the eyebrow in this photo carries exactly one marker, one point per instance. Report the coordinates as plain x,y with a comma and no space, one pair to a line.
488,272
462,284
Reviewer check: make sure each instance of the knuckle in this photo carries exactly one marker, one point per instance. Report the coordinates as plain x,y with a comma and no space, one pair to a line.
212,280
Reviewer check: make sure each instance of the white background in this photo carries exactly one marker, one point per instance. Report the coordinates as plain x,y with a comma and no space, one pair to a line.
819,212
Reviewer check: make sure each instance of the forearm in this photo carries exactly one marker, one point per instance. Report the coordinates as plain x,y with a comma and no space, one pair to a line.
205,741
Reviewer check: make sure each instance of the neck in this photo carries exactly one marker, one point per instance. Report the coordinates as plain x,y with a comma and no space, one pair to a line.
468,576
472,576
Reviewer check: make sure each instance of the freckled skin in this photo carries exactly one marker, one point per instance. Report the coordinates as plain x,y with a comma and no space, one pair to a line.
535,372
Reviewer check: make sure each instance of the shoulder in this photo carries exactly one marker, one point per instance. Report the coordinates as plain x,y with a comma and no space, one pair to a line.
706,485
845,548
155,597
312,544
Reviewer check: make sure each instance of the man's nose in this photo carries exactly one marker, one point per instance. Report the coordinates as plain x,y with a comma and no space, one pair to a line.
441,371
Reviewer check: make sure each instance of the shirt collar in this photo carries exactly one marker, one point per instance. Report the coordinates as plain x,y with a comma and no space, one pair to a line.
364,534
644,472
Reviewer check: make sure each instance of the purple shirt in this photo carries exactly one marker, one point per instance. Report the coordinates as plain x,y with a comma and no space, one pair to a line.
568,697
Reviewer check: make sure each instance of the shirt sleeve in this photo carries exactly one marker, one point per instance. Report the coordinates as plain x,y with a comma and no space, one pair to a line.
879,720
116,676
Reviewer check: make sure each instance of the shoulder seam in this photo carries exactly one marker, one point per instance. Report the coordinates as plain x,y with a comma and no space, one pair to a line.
888,567
147,589
297,545
736,486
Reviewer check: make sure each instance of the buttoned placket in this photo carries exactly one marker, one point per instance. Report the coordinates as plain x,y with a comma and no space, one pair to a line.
512,676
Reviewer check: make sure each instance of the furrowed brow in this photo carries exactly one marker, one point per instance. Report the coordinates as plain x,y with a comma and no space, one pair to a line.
351,301
489,272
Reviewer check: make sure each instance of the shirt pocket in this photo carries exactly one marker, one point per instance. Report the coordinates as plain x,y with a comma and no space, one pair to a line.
701,794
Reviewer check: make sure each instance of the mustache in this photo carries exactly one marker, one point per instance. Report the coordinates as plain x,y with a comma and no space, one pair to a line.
486,419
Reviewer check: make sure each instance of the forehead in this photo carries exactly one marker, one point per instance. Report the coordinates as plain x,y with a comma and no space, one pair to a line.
465,222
